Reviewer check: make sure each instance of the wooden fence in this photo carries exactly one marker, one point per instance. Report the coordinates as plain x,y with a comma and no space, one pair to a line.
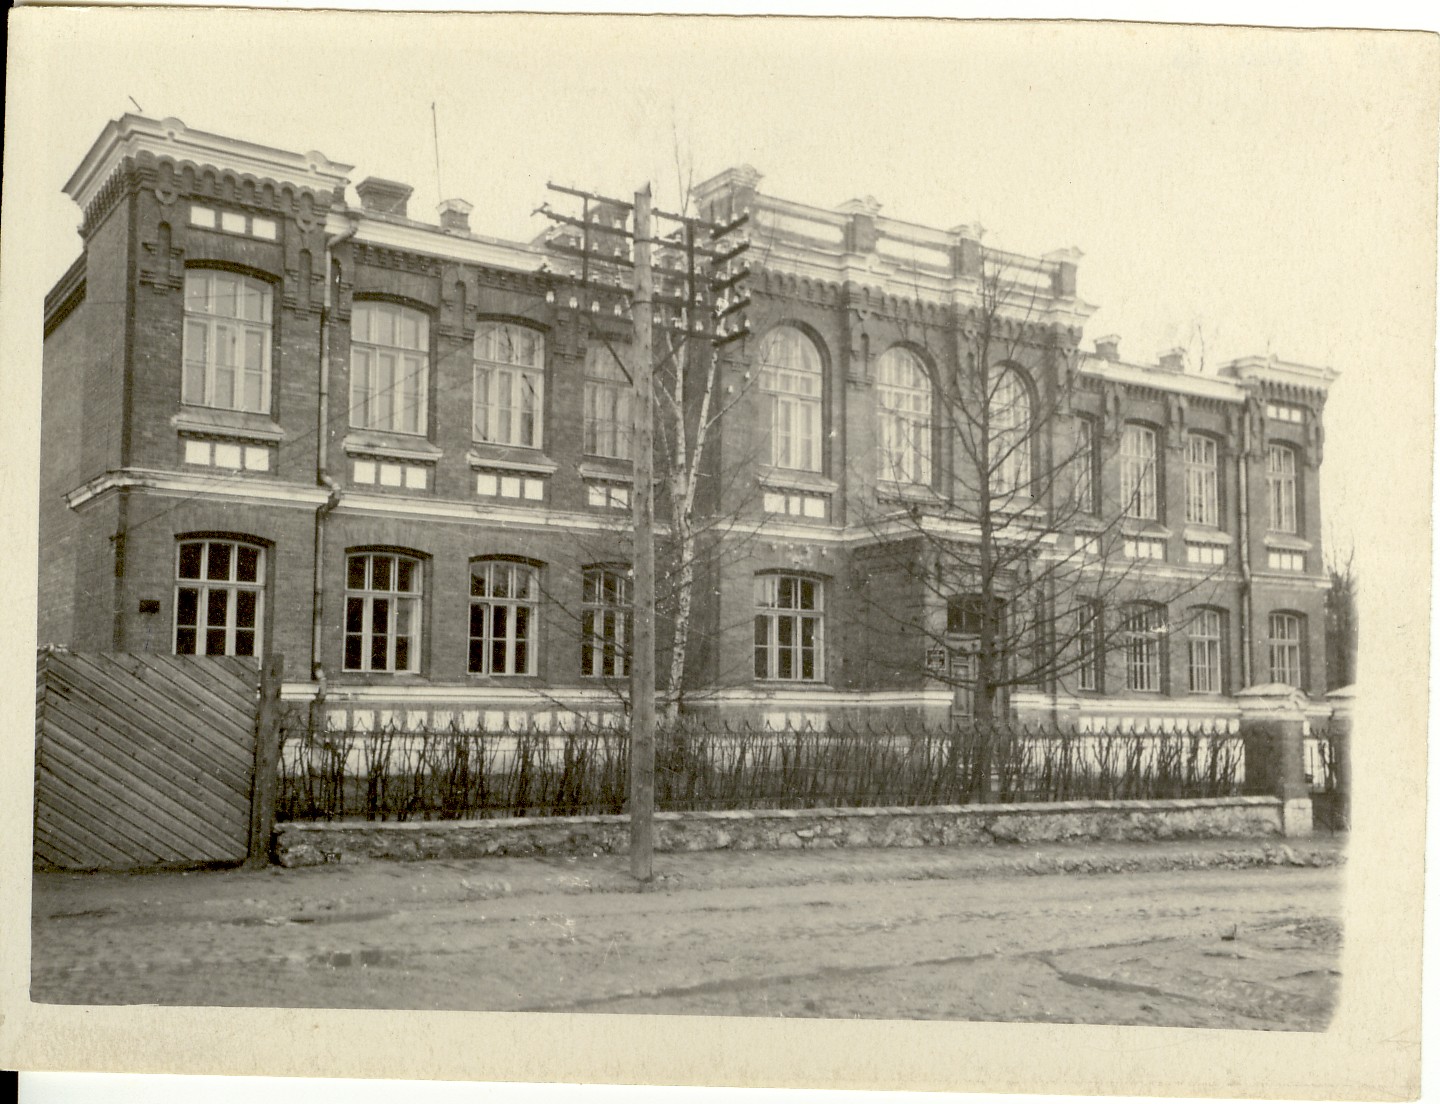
147,760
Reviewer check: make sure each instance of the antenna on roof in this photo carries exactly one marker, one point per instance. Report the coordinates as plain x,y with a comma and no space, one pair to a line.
435,129
137,105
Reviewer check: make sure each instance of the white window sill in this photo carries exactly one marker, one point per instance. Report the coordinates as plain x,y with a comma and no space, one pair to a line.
391,446
1199,534
540,465
1288,541
241,425
786,479
622,472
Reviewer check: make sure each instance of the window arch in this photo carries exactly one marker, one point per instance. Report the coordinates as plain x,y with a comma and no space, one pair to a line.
509,385
905,399
219,597
1139,463
1010,437
504,599
1282,480
227,341
792,381
1287,648
383,598
389,367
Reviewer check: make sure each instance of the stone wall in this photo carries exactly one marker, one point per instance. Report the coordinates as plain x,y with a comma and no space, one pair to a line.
304,843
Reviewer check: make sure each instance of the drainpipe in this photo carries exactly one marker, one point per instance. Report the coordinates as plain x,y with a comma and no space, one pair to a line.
1246,597
322,473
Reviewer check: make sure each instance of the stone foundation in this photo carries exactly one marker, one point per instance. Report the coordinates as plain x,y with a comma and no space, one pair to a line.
305,843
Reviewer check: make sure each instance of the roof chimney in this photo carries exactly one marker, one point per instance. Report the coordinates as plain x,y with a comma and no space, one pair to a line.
455,215
1108,347
1173,360
383,197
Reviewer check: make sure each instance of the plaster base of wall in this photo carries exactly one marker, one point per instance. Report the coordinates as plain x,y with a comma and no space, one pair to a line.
312,843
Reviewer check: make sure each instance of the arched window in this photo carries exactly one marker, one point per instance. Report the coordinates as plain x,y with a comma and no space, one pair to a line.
608,396
509,384
219,597
1143,627
792,381
1282,480
1287,653
904,409
789,628
389,368
1139,458
227,341
1010,439
1202,480
607,622
1206,643
503,598
383,592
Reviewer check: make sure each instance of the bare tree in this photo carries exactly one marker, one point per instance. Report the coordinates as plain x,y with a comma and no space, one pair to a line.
1342,621
995,505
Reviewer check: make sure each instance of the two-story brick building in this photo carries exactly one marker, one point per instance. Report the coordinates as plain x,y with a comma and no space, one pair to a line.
398,453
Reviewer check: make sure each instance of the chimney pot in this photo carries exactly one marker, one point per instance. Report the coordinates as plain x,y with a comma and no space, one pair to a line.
383,197
455,215
1108,347
1172,360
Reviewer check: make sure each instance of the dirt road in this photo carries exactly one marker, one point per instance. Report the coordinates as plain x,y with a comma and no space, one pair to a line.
855,934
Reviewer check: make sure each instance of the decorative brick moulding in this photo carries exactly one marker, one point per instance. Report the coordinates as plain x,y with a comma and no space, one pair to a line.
305,843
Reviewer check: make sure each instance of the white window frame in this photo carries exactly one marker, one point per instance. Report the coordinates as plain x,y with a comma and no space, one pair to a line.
607,622
904,401
1009,432
1202,481
233,588
1139,460
782,622
1206,651
520,602
1084,460
792,381
1144,628
609,399
1287,644
227,337
389,379
400,612
1282,479
509,385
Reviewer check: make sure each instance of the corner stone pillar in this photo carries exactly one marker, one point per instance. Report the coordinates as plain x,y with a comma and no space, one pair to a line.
1272,724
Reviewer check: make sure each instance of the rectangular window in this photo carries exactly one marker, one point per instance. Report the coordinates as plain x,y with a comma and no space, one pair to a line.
608,397
789,628
1281,477
509,385
1202,481
1285,650
1207,555
1092,647
389,368
219,598
1285,412
503,599
226,341
1206,637
1138,460
1278,560
608,496
1144,548
382,613
1143,628
607,623
1083,465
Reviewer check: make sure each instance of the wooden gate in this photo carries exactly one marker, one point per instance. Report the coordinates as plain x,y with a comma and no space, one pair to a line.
146,760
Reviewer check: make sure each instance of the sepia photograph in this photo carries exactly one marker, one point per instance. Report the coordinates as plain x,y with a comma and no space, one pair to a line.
807,531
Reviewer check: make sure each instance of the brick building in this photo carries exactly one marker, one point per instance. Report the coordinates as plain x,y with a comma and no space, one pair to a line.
396,452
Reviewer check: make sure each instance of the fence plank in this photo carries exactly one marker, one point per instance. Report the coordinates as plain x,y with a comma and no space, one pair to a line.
143,759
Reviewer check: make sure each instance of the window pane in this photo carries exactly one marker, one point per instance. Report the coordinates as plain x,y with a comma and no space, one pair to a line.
185,641
190,555
215,642
245,642
187,606
354,615
381,572
245,607
353,652
405,576
247,563
218,566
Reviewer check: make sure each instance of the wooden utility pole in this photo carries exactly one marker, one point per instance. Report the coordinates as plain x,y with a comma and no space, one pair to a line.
642,500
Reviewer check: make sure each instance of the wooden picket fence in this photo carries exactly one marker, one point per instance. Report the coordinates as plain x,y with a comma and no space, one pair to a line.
153,760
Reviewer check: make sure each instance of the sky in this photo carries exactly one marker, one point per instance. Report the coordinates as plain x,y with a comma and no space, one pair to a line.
1228,188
